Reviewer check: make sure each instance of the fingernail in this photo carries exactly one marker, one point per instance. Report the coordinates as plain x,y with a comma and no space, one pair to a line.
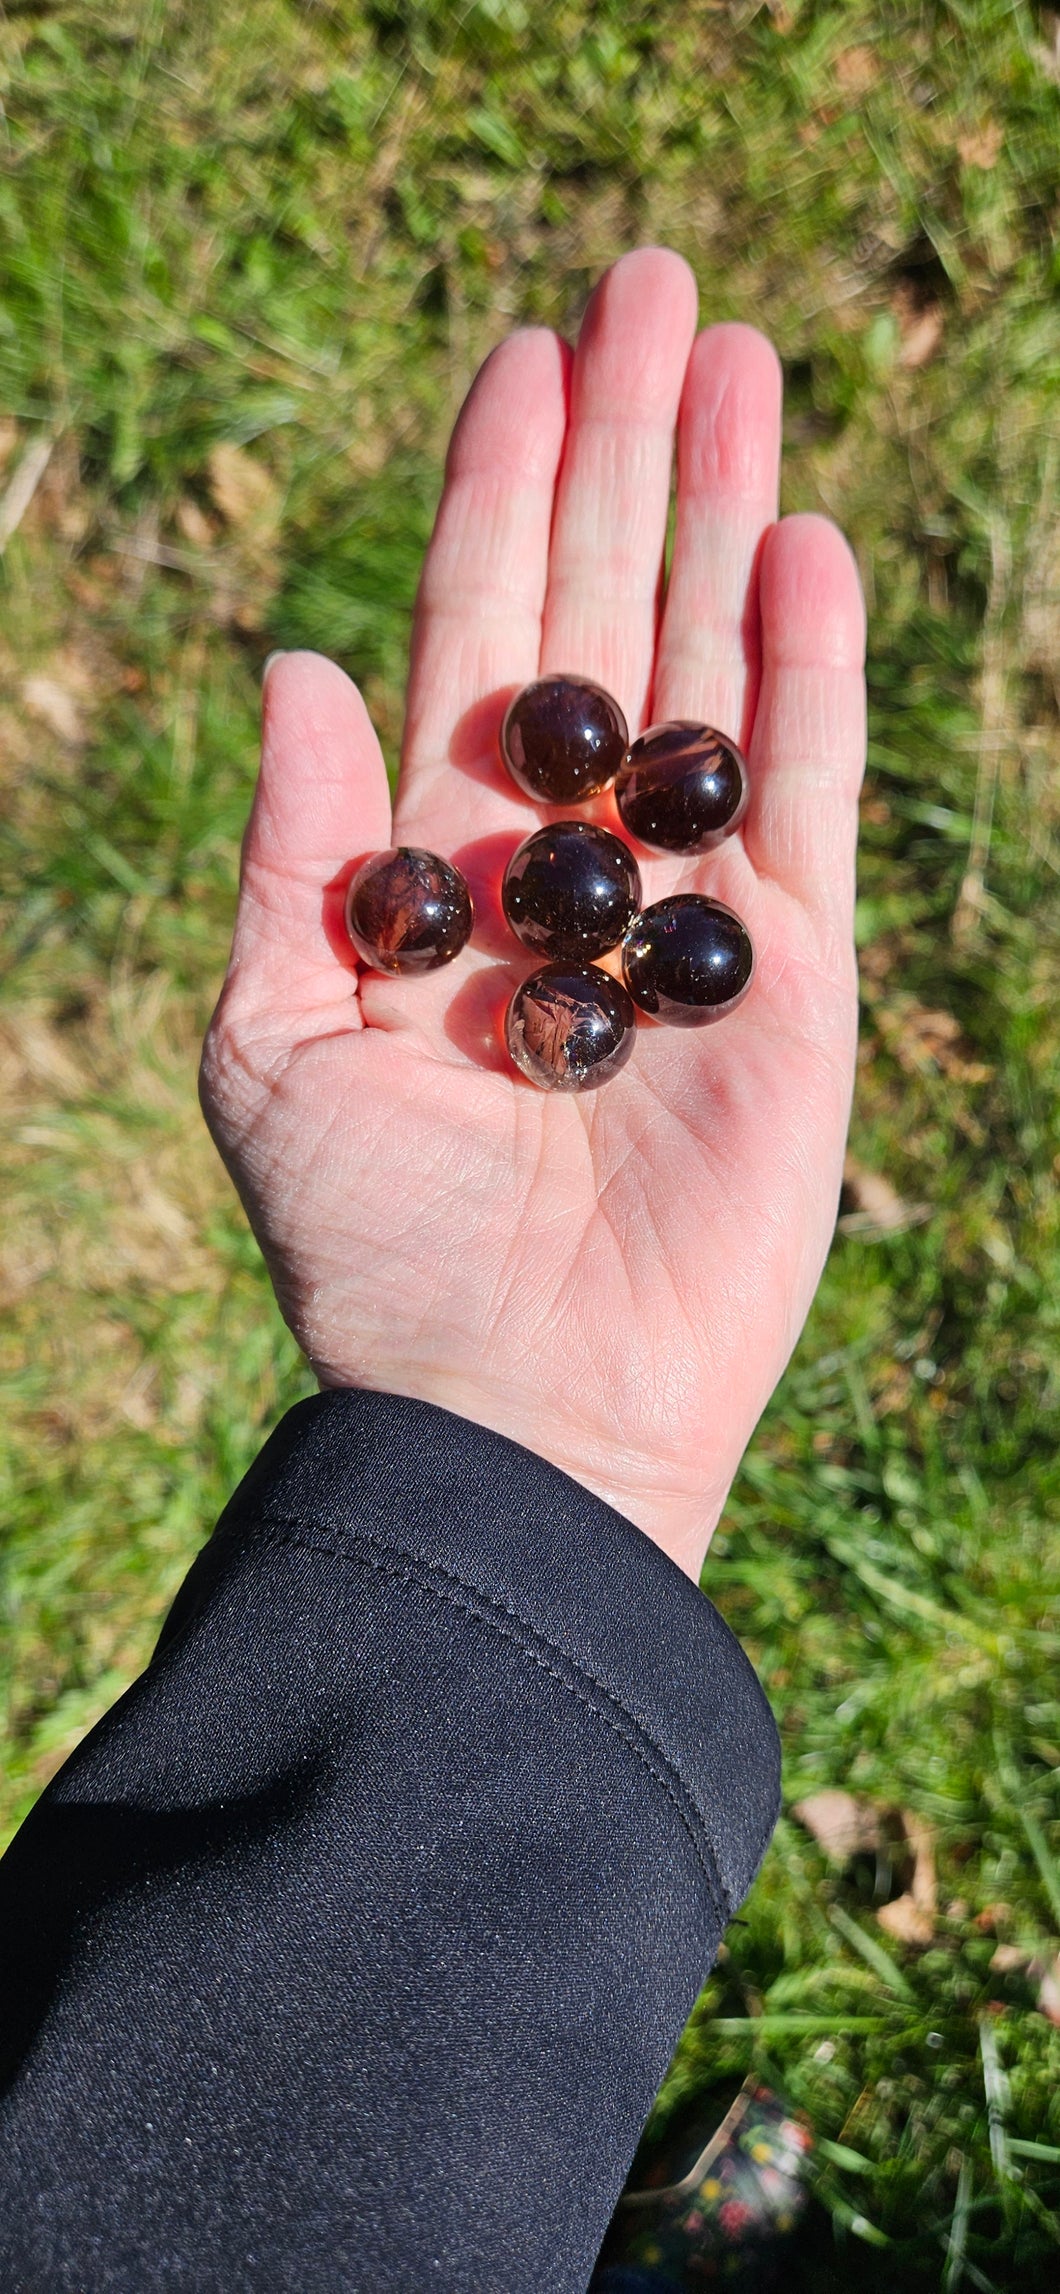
270,663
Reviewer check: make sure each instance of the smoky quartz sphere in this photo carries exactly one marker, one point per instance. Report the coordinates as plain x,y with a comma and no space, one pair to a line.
408,911
687,960
682,788
570,1027
571,890
563,739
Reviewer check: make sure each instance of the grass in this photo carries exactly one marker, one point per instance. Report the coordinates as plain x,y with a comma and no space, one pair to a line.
293,234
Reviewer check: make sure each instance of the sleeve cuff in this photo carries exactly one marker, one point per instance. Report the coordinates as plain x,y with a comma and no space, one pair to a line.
519,1543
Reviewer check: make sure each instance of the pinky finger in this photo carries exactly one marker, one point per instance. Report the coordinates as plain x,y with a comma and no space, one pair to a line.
807,751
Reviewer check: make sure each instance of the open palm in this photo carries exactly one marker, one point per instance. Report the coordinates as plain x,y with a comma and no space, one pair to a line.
616,1279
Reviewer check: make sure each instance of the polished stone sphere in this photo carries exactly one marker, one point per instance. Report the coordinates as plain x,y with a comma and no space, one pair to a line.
682,788
571,890
408,911
563,739
570,1027
687,960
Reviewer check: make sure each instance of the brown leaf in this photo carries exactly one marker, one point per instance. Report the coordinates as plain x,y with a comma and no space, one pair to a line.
920,324
55,706
249,501
1010,1959
1049,1992
921,1039
856,69
910,1917
249,611
9,437
992,1917
921,338
874,1207
906,1921
62,507
923,1886
843,1826
38,1054
925,1034
1015,1959
982,146
846,1827
193,524
245,492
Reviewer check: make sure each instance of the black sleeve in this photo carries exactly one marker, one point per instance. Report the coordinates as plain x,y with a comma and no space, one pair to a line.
349,1950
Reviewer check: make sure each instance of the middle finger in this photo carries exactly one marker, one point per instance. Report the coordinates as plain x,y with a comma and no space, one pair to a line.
609,531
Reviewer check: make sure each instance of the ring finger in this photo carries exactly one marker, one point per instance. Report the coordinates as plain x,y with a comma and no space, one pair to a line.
728,478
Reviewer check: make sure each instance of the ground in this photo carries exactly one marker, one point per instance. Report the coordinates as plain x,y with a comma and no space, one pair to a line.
250,261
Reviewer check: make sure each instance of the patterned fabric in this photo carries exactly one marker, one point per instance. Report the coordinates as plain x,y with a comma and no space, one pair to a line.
713,2206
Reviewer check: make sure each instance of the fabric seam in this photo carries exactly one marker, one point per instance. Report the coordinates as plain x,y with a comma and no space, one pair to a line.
443,1582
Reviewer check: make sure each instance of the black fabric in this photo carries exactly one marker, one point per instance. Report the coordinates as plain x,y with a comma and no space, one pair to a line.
350,1948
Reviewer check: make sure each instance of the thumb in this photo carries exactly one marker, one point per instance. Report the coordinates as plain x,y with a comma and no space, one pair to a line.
321,801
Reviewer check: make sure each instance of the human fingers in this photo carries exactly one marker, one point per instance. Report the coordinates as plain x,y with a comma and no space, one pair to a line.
728,466
807,751
321,800
477,629
613,494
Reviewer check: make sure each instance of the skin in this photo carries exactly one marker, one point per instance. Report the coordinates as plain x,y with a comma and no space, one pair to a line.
615,1280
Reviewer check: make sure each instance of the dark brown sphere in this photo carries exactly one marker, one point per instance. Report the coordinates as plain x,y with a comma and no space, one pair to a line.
408,911
571,890
563,740
687,960
570,1027
682,788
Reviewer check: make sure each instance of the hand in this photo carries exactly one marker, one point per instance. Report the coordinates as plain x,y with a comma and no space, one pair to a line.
615,1280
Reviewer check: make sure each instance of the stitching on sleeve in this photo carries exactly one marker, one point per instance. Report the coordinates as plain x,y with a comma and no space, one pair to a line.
447,1585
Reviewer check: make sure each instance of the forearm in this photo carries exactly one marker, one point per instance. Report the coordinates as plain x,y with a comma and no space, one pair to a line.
350,1950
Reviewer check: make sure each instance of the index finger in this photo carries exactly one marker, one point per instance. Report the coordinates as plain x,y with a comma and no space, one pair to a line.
477,629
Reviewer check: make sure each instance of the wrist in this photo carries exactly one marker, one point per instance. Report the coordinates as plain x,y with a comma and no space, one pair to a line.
679,1518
